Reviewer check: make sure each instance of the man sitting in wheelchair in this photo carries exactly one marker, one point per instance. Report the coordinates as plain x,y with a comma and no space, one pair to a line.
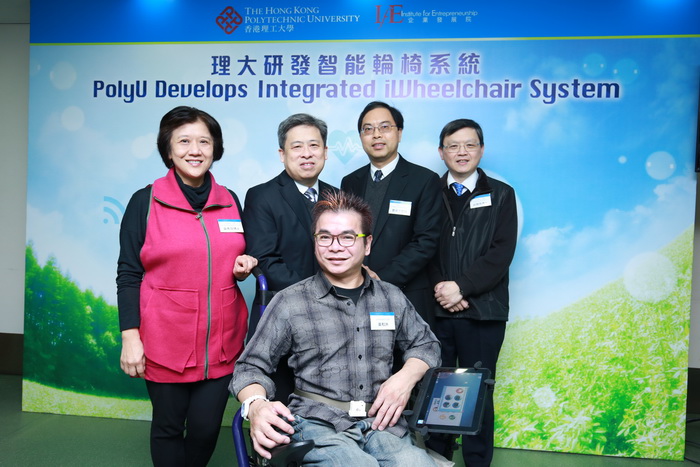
340,327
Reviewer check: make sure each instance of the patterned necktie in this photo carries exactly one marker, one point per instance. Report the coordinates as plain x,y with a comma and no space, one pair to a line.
310,195
378,175
459,188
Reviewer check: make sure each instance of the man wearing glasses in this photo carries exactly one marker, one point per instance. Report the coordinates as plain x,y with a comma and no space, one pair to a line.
470,270
405,203
277,214
341,327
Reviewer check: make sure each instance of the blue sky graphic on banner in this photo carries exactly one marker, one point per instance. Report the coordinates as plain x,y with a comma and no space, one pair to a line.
605,113
596,135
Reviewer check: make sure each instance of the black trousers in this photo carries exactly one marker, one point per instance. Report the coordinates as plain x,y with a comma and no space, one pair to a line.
186,420
465,342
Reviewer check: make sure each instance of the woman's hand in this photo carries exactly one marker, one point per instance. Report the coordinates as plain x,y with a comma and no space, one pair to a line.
133,360
243,266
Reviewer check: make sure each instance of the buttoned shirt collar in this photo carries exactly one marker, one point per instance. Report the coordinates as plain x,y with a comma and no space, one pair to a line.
386,170
469,183
324,286
302,188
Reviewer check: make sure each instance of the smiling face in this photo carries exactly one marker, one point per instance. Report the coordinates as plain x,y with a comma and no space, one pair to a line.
192,152
304,154
381,148
342,265
463,162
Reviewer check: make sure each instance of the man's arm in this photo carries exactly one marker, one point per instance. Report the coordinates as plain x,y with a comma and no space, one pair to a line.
262,237
264,417
251,376
395,392
421,351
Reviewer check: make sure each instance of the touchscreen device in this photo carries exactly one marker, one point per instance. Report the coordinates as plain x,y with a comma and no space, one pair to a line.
451,400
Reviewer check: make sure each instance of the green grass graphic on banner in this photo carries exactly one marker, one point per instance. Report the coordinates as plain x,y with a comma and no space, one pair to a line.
606,375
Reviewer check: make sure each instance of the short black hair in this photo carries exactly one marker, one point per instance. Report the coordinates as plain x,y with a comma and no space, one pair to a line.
395,114
183,115
455,125
339,201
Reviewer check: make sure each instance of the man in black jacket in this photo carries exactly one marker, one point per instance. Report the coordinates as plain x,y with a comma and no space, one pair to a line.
470,269
405,202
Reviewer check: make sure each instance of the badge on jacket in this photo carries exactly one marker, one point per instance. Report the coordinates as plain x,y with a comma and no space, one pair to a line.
230,225
401,208
480,201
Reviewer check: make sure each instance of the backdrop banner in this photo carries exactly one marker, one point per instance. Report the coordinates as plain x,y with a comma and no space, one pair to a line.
591,119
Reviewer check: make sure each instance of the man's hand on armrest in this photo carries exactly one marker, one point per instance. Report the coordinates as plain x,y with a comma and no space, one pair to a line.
266,418
395,392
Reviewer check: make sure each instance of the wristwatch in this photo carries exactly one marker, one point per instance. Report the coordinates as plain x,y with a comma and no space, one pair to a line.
245,406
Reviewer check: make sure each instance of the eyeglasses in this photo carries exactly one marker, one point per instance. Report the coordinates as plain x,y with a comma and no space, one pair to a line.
344,239
383,128
454,148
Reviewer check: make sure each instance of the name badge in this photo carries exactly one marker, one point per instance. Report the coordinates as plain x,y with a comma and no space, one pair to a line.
480,201
382,321
401,208
230,225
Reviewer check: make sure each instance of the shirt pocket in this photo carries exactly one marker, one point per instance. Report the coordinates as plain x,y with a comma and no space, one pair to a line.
169,325
383,346
234,323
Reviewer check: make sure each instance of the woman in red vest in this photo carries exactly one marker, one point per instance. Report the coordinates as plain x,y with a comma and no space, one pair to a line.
182,316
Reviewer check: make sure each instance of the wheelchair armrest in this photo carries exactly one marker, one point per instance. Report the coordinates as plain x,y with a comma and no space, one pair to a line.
290,454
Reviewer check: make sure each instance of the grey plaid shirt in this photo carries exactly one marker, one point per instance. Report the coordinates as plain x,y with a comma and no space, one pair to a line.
334,352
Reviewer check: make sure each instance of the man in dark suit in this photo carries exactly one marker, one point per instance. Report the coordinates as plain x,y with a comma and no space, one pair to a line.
405,202
277,214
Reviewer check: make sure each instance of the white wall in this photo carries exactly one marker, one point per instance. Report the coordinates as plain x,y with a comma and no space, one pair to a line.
14,91
14,96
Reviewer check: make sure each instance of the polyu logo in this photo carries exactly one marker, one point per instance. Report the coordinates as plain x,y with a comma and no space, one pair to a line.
229,20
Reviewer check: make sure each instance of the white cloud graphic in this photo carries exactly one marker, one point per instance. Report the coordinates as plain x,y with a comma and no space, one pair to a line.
559,265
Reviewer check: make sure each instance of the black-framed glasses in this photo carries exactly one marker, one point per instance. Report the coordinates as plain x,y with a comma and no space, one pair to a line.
454,148
344,239
383,128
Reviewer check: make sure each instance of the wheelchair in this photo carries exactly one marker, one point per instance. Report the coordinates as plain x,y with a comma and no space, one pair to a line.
288,455
443,395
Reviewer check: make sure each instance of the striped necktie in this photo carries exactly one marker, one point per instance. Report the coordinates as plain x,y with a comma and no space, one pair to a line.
310,195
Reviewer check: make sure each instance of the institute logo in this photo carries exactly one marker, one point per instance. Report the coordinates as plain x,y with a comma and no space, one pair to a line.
391,14
229,20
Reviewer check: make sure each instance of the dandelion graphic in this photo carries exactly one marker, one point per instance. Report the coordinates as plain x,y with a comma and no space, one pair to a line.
544,397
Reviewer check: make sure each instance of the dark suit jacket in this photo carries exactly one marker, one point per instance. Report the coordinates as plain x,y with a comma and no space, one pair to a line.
277,225
278,233
402,246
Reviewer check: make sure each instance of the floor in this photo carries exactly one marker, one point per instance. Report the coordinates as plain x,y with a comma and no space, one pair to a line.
30,439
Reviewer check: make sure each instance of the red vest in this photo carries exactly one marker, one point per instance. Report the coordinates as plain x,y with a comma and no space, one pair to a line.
193,316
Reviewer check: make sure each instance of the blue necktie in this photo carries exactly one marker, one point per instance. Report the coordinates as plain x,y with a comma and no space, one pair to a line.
378,175
310,195
459,188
